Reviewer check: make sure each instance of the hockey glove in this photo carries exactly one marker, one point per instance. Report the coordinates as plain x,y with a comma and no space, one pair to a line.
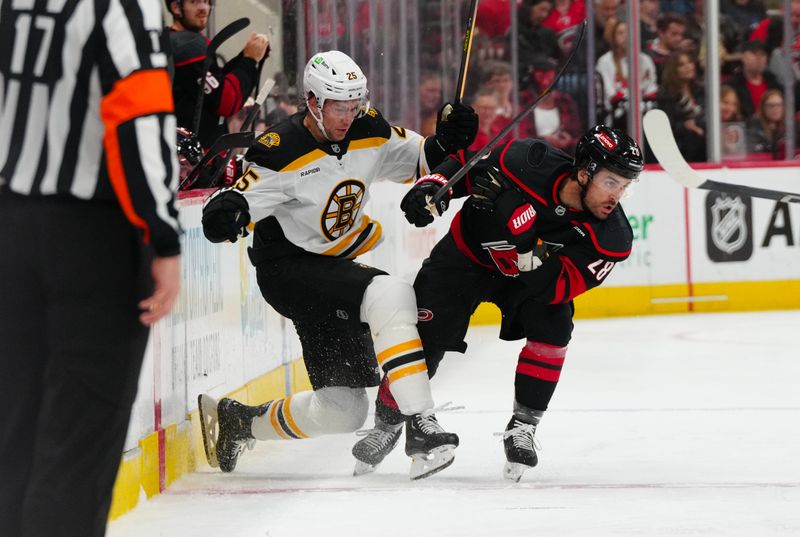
487,185
226,215
417,203
456,127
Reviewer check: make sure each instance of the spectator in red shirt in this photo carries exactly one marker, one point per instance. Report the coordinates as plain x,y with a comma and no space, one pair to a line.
754,79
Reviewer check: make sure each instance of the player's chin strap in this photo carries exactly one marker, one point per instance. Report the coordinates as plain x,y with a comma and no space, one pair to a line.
318,119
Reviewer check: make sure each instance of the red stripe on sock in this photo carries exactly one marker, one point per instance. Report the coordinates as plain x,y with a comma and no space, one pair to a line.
535,371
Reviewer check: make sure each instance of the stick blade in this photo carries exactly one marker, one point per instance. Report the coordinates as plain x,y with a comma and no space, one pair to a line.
659,133
226,33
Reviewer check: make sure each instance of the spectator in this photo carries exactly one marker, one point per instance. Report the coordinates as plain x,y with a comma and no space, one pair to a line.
604,11
766,131
745,14
648,16
555,119
754,79
226,89
536,42
564,15
486,105
732,128
493,18
681,7
430,100
612,67
670,29
681,96
496,77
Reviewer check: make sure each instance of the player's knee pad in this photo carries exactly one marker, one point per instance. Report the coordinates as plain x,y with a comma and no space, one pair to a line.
339,409
388,302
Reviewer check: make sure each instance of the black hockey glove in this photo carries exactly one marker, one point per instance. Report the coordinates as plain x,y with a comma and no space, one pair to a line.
456,127
226,216
487,185
415,204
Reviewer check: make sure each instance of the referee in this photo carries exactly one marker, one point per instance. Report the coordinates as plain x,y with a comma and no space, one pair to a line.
89,251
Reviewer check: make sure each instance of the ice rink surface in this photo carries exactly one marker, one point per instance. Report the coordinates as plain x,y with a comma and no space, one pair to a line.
684,425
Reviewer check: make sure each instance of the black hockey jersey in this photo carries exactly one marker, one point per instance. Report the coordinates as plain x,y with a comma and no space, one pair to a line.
226,89
583,248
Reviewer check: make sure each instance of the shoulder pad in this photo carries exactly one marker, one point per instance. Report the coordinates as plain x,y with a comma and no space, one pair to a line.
370,125
281,145
533,163
613,237
187,46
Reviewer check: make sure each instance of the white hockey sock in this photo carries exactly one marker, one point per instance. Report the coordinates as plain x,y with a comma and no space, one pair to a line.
313,413
399,352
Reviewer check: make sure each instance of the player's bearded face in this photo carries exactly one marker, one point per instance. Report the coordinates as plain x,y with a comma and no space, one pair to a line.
337,116
604,192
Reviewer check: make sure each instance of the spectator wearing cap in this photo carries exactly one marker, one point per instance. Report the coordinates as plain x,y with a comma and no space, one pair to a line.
754,79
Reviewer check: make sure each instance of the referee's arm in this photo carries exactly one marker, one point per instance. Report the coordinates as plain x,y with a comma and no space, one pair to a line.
139,126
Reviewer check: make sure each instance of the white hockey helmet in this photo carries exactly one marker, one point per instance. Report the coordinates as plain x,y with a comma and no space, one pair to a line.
334,75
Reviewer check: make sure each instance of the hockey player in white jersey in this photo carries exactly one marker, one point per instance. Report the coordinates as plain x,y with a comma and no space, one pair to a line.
302,195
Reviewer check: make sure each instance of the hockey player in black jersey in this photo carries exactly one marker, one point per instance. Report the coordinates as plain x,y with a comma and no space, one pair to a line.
304,188
539,229
226,89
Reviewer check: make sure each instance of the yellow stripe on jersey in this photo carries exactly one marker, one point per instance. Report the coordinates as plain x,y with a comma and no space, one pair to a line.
408,369
345,240
370,243
290,420
399,349
305,160
366,143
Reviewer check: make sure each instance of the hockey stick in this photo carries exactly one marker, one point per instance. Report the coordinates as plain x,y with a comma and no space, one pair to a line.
251,116
467,50
485,150
211,50
225,142
662,141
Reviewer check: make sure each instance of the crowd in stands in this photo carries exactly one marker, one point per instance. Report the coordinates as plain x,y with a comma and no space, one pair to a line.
672,63
671,66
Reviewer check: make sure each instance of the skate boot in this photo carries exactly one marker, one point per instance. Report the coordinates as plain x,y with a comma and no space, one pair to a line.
226,429
520,447
376,444
429,446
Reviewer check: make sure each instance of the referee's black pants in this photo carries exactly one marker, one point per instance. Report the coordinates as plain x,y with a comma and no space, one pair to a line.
71,348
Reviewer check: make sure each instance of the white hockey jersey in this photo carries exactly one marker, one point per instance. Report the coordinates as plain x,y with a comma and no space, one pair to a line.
317,191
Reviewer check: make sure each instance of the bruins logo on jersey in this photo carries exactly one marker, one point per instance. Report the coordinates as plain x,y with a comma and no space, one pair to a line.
342,208
270,139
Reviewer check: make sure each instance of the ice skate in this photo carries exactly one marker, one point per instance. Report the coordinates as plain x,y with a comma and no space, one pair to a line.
226,430
429,446
376,444
520,446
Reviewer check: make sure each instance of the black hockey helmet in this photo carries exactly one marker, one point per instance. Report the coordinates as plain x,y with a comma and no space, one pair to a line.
190,152
604,147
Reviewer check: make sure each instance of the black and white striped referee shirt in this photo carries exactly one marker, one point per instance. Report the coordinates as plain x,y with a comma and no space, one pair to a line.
86,108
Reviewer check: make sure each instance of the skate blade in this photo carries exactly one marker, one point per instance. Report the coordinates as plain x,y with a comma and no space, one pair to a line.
426,464
363,468
513,471
207,406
